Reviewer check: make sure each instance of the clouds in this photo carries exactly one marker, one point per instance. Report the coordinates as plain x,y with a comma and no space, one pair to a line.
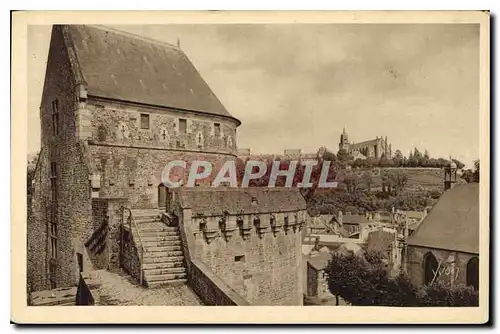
297,86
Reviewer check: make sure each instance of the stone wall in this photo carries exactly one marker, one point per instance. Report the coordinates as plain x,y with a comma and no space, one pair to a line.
415,264
108,212
312,281
130,159
135,173
212,289
37,258
115,122
72,207
261,265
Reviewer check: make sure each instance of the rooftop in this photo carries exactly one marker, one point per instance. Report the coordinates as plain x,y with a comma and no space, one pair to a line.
123,66
453,223
218,201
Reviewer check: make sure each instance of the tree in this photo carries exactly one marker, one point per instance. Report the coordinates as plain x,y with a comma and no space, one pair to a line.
363,280
343,155
400,180
476,172
398,158
351,181
367,179
384,161
329,156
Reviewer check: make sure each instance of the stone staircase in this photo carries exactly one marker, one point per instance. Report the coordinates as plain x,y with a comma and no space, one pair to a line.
163,261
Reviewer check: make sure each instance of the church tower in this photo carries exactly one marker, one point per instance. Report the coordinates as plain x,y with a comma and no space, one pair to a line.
344,141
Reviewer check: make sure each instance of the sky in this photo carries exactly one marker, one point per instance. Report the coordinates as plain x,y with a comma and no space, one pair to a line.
298,86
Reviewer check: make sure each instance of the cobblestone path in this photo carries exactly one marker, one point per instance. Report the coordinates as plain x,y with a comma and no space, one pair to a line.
120,289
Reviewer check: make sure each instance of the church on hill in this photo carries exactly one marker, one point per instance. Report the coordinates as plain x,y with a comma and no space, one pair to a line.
374,148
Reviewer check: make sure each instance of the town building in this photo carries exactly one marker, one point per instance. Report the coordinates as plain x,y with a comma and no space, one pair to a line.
374,148
115,109
446,244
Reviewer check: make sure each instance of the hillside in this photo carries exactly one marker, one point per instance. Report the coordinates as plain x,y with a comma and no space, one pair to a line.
419,178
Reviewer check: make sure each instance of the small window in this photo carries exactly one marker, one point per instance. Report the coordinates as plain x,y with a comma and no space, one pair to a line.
217,129
182,126
145,121
80,261
55,117
239,258
53,169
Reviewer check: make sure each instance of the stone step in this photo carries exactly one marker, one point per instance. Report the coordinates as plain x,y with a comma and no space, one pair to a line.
160,233
160,243
163,259
146,238
163,254
163,265
164,277
147,225
163,249
146,212
164,271
161,283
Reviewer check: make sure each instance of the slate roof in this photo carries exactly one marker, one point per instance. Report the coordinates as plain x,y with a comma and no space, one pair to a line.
216,201
123,66
319,261
453,222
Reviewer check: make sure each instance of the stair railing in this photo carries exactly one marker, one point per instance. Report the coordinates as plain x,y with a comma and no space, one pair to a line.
131,222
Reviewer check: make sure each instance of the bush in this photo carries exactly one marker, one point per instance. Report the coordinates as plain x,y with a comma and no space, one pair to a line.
443,294
363,280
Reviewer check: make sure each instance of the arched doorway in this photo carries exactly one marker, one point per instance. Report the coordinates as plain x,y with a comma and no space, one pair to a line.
162,196
430,267
473,273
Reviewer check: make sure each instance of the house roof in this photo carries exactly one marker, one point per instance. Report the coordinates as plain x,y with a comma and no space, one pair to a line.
123,66
453,222
319,261
354,219
217,201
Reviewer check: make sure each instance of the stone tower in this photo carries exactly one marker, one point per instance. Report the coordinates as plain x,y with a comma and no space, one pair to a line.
344,141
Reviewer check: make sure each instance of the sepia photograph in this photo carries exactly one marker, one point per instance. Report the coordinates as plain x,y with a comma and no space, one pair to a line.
327,163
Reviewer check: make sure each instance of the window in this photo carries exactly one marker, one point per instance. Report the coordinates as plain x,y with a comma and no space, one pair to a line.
53,180
217,129
55,117
239,258
182,126
430,267
473,273
199,140
53,240
145,121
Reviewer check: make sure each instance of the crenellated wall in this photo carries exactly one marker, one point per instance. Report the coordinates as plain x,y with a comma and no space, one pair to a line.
257,255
